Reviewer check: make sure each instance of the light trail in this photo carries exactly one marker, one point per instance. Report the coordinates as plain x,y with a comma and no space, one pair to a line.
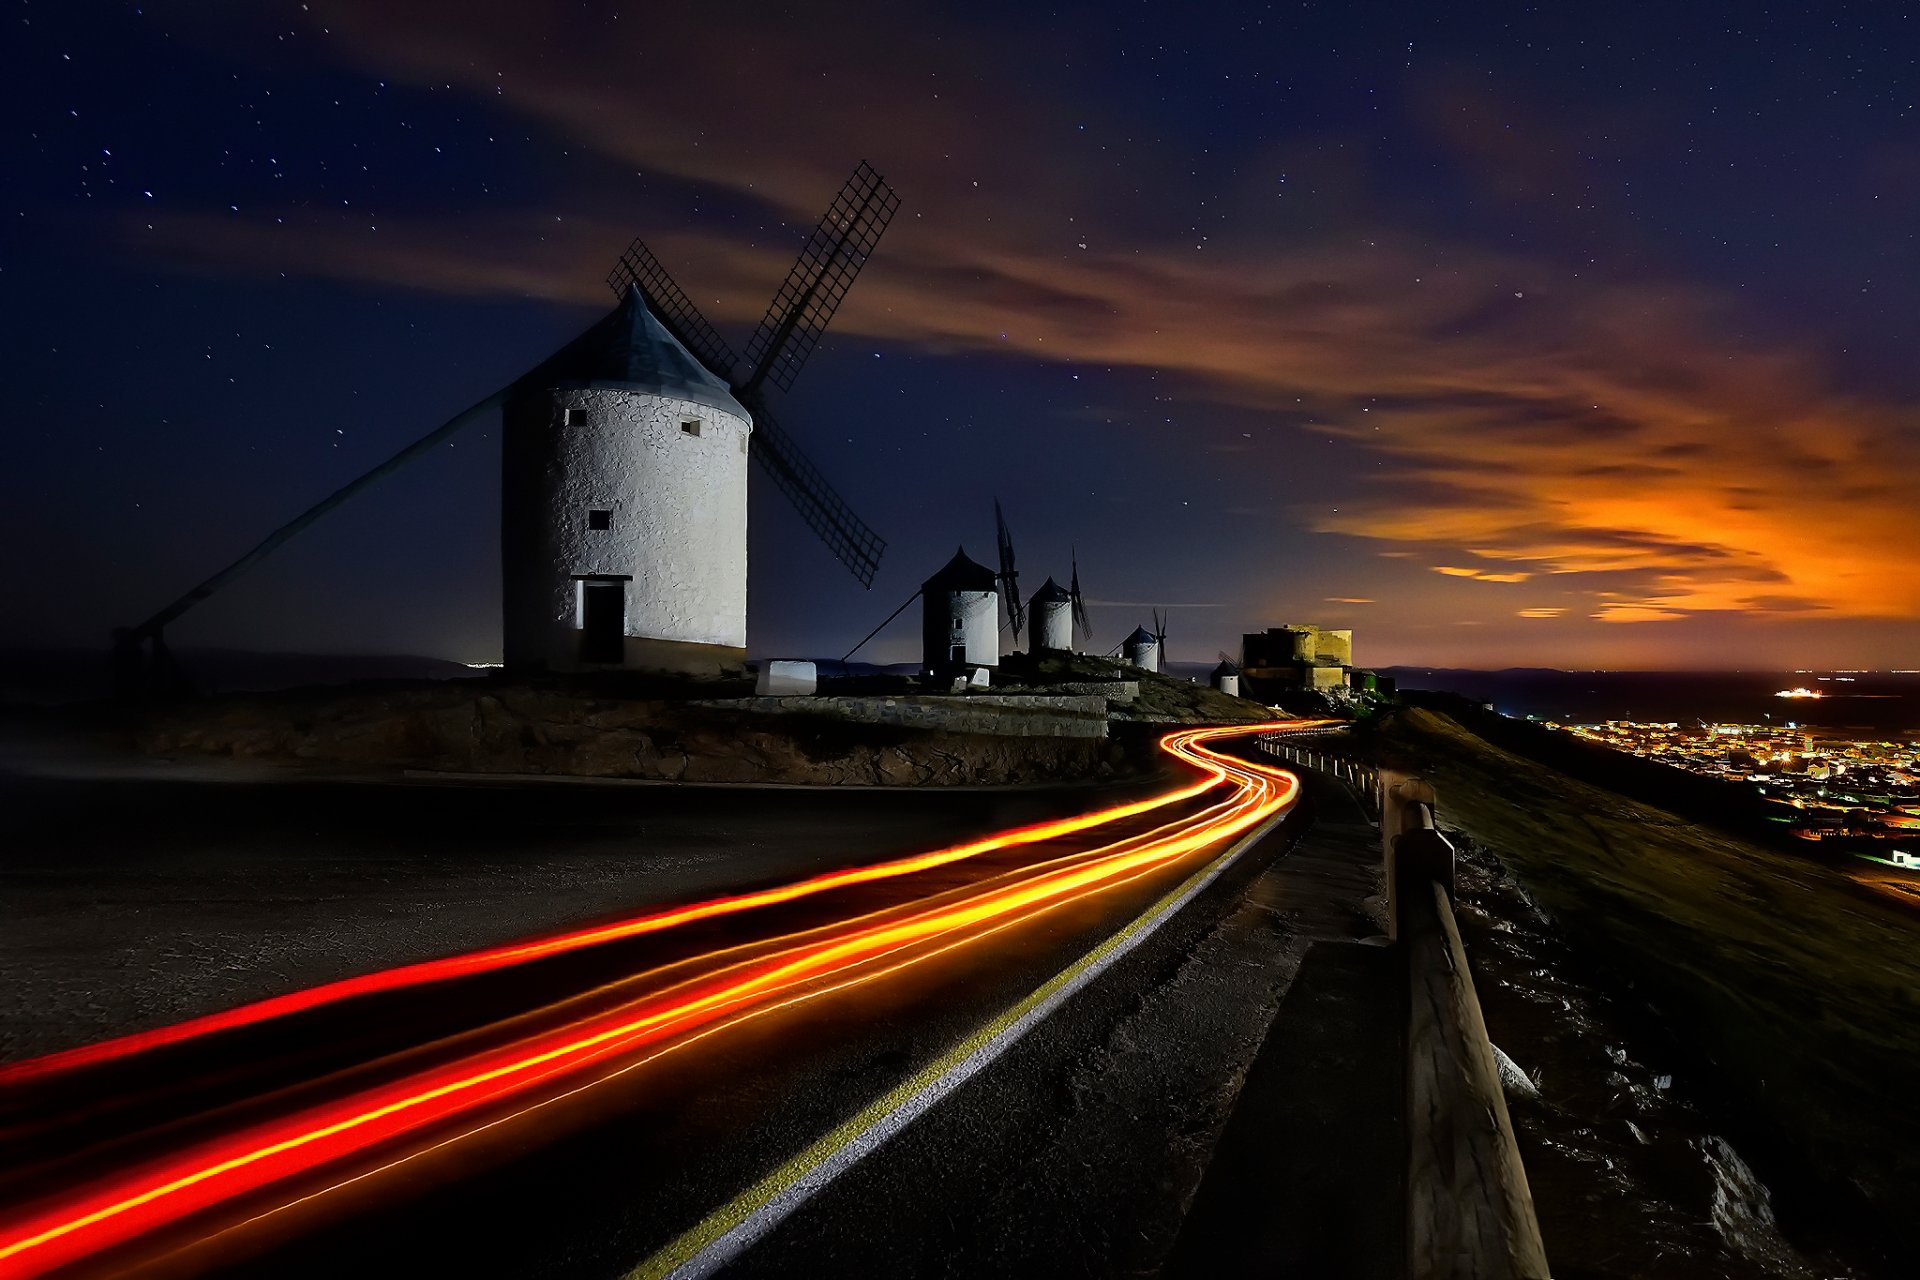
490,959
471,1090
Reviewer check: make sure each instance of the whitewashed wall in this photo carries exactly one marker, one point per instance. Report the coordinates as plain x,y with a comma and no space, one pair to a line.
678,526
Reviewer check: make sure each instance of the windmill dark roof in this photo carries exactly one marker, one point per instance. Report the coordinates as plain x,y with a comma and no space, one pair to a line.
1142,636
962,574
629,350
1052,593
1225,669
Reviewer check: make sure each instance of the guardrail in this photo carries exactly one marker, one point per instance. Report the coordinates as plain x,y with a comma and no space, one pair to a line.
1470,1213
1361,777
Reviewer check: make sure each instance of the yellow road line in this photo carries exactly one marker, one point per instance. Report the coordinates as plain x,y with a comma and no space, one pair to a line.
727,1232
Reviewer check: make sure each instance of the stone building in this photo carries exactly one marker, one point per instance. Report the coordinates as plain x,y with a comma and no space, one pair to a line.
960,618
1294,657
1050,619
624,507
1142,649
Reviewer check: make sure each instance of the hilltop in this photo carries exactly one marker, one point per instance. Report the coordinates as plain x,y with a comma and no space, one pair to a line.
1058,720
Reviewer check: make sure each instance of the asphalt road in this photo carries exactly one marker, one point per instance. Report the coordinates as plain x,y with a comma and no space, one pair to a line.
134,903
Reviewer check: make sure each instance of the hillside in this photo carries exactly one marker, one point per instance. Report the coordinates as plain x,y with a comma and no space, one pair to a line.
1801,985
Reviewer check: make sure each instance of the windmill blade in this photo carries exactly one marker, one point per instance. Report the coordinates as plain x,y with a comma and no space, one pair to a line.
1009,576
672,307
1079,604
1160,632
830,260
825,511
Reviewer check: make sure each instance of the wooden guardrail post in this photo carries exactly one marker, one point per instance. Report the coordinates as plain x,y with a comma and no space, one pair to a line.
1470,1212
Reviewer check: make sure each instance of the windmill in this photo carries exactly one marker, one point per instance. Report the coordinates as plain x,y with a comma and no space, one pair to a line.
1146,649
1009,576
799,313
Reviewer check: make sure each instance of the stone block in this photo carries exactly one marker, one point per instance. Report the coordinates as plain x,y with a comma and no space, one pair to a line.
787,680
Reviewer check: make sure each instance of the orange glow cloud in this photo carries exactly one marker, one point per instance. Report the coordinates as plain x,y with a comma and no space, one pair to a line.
1479,575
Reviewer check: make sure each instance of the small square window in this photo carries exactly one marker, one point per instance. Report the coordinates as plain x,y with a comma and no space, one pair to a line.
691,426
573,417
599,519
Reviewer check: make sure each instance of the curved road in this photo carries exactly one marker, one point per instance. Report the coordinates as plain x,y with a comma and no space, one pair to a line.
720,1043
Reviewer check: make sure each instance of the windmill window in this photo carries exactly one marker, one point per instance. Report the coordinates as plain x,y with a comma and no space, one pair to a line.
690,426
573,417
599,519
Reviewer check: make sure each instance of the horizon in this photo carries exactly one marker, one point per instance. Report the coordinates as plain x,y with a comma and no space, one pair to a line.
188,652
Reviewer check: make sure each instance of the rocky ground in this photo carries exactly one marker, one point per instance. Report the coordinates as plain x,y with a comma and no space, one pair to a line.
532,730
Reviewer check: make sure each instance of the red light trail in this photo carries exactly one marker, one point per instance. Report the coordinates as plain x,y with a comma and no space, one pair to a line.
489,959
706,994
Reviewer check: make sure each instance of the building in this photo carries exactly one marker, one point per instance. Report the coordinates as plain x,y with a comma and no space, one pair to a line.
1286,658
1226,678
1050,619
960,618
624,507
1141,649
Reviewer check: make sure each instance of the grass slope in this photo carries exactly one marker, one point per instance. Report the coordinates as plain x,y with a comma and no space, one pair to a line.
1803,986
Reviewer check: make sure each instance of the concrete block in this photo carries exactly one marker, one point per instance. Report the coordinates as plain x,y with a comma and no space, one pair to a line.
980,678
787,680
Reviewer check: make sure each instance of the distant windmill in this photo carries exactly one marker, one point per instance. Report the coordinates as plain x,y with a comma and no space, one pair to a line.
1009,576
1144,648
1050,620
654,365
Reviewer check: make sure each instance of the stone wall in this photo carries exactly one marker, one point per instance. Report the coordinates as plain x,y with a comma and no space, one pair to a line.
548,731
1041,715
1112,690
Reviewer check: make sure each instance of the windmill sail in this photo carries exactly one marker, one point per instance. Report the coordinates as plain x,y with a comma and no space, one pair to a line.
672,307
849,538
1009,576
1079,604
829,262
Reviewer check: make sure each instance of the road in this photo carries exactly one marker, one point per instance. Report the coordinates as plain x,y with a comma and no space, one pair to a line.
578,1106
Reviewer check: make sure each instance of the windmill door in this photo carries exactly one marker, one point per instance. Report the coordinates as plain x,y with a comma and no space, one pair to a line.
603,620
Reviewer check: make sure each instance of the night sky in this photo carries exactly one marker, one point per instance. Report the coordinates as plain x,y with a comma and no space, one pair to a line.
1557,334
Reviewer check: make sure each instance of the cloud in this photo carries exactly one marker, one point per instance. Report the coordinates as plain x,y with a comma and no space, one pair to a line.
1479,575
1602,429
